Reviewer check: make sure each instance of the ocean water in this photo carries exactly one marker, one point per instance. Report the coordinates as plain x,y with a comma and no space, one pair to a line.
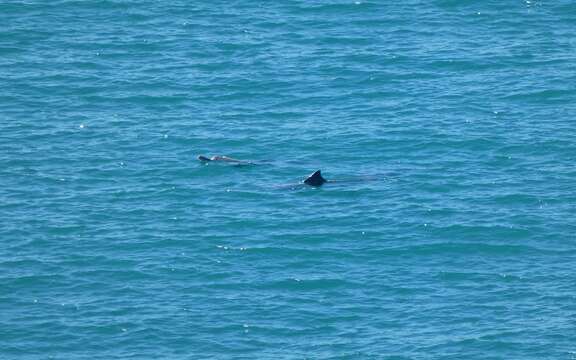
449,125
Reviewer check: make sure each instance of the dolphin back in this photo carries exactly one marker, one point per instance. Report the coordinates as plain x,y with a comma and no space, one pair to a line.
315,179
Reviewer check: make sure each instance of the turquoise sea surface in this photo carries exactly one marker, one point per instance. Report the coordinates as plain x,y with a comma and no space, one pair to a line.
448,127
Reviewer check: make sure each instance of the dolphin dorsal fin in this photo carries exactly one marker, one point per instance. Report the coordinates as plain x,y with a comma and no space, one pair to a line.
315,179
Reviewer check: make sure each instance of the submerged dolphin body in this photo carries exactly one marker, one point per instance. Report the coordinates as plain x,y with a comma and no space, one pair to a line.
315,179
224,159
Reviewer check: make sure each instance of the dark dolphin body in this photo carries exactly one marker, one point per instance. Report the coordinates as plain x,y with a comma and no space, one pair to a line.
315,179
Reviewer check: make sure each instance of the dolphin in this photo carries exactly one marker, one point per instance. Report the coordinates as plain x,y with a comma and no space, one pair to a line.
224,159
315,179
